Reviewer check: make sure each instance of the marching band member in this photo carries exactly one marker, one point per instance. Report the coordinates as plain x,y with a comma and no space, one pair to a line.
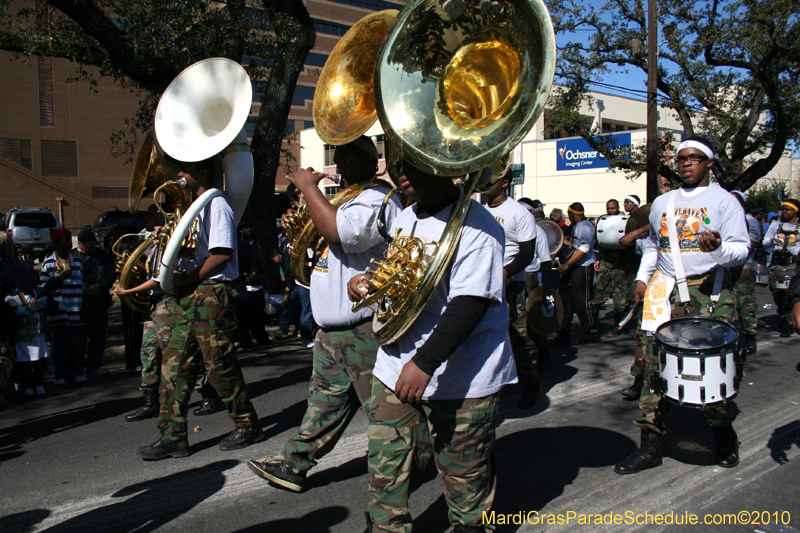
781,238
519,227
611,280
576,285
695,232
744,281
345,346
203,317
448,367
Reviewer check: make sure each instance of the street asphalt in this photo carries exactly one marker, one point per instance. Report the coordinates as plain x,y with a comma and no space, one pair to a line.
68,459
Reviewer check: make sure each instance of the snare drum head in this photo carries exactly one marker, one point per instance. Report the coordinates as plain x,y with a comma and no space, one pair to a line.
696,334
609,230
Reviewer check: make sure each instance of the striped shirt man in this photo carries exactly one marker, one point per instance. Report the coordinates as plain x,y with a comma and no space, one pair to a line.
68,293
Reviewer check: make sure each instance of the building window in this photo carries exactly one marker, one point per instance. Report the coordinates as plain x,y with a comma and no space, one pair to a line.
331,190
301,94
290,126
316,60
330,28
381,139
59,158
109,192
46,100
308,124
375,5
17,151
606,127
329,155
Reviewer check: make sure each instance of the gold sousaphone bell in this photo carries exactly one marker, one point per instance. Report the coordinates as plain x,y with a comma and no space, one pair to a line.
458,84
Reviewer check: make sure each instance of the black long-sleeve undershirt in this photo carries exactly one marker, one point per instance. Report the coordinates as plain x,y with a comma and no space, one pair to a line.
522,259
460,318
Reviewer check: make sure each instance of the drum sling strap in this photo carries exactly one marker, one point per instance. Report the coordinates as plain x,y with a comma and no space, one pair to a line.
677,263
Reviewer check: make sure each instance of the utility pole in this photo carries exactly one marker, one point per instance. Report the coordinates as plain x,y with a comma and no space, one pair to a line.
652,111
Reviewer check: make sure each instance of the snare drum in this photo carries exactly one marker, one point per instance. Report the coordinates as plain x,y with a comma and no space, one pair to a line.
697,360
781,279
609,230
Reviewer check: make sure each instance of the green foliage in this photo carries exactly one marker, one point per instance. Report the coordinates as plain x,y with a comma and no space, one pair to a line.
728,68
765,196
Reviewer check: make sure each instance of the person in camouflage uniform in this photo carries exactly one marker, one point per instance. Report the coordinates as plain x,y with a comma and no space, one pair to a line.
613,280
701,222
445,372
744,280
345,346
203,331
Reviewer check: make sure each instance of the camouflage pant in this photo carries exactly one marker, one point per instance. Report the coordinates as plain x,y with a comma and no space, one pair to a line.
639,366
154,340
517,295
655,409
341,382
744,289
463,433
203,333
613,282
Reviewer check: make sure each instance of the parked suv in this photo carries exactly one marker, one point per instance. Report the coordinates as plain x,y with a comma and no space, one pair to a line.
112,225
29,227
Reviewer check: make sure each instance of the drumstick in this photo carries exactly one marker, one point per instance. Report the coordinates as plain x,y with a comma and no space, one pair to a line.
628,316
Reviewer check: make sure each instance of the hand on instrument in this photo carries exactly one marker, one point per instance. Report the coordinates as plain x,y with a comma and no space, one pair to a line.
562,268
357,287
305,178
638,292
64,274
411,384
119,291
709,241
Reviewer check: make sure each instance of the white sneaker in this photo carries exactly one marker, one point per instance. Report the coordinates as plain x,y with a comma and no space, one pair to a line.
40,391
27,392
97,373
79,379
60,382
310,344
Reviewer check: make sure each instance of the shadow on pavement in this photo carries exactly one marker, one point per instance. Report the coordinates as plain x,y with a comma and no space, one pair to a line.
782,439
537,464
319,521
153,504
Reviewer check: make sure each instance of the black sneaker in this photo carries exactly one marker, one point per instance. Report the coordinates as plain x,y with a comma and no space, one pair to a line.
529,396
275,471
241,438
591,336
786,328
162,449
461,528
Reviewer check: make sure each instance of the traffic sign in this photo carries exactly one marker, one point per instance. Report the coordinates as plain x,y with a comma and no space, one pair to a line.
517,173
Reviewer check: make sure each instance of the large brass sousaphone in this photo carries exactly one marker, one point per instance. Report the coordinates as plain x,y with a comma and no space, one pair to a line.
202,114
458,85
344,109
153,173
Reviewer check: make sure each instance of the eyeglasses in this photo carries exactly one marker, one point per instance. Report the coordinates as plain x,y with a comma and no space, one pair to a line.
693,159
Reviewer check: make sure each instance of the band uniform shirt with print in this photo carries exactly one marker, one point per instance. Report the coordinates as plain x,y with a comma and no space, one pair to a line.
483,363
518,225
704,208
779,233
360,241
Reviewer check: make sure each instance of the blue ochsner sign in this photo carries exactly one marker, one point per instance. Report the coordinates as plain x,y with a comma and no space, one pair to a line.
576,154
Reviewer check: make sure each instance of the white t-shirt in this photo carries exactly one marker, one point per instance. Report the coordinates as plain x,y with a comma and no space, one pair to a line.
755,231
216,228
483,363
703,208
357,223
775,237
583,234
519,226
542,253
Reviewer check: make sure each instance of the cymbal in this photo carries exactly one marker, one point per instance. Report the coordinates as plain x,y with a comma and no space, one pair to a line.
545,311
639,219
